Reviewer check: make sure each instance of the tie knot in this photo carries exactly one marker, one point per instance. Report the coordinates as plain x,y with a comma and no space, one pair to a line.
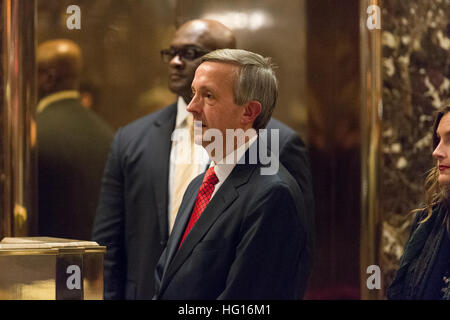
210,177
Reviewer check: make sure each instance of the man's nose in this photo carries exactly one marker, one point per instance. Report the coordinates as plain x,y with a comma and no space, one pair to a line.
193,106
176,61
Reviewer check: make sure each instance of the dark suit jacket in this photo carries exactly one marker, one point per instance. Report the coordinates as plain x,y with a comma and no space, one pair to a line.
420,255
253,241
132,213
73,145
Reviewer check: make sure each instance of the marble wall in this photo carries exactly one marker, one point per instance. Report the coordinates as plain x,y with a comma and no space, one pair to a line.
416,80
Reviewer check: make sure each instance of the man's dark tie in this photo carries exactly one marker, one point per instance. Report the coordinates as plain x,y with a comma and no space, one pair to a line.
203,197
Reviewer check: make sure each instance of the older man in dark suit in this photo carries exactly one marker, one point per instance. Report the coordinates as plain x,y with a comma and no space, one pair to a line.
242,231
143,185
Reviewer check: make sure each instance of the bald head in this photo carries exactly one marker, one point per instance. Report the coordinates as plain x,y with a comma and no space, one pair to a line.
207,35
59,66
210,34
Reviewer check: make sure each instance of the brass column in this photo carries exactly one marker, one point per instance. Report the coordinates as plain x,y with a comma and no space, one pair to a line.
371,116
18,214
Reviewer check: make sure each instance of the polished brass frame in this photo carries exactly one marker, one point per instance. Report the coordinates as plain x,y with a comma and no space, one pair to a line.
371,117
40,260
19,214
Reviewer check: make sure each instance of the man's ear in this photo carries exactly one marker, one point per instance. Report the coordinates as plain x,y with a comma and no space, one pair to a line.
252,110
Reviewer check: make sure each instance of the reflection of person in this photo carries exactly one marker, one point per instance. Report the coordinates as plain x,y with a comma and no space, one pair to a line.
239,234
72,142
143,187
424,271
89,95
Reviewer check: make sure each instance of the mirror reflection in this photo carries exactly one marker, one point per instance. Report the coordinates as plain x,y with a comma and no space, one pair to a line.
73,143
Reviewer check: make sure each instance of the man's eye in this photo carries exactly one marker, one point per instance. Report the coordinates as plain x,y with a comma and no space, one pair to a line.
189,53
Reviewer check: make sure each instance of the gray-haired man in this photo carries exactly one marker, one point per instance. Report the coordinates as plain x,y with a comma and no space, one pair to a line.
239,234
142,187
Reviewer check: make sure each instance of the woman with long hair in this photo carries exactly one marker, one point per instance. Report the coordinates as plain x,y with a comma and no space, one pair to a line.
424,271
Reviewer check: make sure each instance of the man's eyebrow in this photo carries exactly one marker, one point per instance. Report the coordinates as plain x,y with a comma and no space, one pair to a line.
207,88
193,46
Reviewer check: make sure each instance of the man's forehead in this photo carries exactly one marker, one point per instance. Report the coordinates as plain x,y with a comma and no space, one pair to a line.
217,67
219,71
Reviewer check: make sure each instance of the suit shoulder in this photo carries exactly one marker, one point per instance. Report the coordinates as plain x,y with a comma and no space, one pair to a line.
278,192
284,129
68,116
143,122
286,133
101,125
280,179
139,127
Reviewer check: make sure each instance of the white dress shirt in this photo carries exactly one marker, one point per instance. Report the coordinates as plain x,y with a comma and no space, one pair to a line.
202,158
224,167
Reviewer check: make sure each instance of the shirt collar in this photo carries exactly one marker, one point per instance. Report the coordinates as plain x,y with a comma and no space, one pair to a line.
182,113
224,167
61,95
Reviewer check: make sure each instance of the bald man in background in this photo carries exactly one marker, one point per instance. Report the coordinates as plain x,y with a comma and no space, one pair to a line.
73,145
143,184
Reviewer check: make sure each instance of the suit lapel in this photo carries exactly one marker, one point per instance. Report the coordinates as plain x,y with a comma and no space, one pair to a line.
181,221
160,147
224,197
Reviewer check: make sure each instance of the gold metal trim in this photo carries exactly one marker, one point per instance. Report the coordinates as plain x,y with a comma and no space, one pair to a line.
27,252
96,250
371,116
18,25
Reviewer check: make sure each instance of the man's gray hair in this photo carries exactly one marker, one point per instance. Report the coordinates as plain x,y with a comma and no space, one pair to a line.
256,80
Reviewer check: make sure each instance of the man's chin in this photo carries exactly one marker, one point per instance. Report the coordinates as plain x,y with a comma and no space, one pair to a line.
177,87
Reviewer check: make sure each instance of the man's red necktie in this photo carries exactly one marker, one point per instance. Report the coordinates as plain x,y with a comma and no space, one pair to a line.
203,197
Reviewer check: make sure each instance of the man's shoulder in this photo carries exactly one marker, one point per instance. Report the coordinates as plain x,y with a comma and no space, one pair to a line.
96,122
68,114
284,128
141,126
274,177
286,133
279,189
277,124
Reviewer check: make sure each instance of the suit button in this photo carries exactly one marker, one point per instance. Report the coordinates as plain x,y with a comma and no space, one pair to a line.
162,243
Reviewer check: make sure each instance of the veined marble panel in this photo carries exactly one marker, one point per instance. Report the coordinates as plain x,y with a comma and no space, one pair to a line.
416,80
